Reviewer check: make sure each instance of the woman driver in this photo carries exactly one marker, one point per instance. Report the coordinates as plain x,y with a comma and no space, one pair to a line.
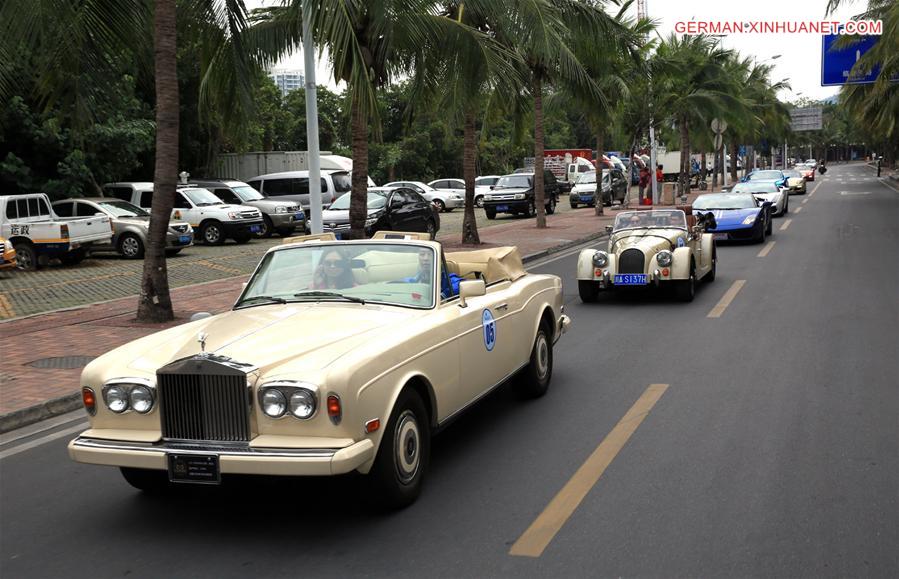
333,271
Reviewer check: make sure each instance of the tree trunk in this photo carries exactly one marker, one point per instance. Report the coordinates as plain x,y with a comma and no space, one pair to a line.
470,152
704,167
155,303
684,179
359,194
733,160
539,193
597,196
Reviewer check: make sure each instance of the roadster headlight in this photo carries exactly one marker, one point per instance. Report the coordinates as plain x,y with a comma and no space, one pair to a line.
749,220
273,403
116,398
600,259
664,258
302,403
141,399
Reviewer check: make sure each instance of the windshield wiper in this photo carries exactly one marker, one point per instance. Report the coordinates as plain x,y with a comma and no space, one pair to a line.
321,294
265,299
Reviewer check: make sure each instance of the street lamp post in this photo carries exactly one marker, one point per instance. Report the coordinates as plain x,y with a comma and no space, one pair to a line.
315,185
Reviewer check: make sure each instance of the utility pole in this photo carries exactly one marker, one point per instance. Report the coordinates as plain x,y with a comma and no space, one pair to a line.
315,183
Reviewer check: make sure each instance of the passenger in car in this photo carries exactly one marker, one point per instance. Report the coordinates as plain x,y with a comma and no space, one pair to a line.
333,271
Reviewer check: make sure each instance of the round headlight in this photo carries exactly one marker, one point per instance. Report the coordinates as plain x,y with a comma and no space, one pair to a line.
117,399
664,258
600,259
302,404
141,399
273,403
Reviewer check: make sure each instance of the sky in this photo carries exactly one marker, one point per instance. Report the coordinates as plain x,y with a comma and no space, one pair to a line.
799,62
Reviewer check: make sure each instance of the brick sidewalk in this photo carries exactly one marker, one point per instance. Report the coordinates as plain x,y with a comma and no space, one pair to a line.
29,393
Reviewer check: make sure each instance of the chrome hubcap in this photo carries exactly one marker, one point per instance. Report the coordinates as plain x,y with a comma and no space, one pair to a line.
542,357
406,445
211,234
130,246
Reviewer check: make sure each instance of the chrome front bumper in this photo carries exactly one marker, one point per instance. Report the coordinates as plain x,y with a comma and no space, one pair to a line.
234,459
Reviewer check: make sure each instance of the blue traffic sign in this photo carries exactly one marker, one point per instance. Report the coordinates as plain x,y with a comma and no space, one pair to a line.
836,64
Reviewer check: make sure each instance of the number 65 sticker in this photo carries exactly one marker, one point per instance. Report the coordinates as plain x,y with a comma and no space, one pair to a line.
489,325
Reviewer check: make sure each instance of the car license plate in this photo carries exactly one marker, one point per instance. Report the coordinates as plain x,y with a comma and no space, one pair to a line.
630,279
502,207
255,229
587,198
300,216
184,239
720,237
194,468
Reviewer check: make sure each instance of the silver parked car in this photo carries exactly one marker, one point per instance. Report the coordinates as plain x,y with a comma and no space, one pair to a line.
281,217
130,225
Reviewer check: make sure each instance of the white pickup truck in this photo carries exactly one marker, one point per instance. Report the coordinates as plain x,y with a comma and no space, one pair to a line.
38,234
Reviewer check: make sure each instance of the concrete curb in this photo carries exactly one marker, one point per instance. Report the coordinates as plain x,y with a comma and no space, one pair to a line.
38,412
63,404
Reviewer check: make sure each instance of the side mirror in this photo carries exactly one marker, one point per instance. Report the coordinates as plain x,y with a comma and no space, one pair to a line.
469,289
99,214
200,316
609,229
492,186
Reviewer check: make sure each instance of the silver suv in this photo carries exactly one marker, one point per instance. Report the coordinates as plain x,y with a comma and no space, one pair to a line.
278,216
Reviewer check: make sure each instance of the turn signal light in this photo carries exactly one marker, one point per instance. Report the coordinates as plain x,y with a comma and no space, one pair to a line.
665,272
372,425
334,410
89,400
597,272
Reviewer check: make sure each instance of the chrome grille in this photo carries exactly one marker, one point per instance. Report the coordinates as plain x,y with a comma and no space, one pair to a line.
249,214
204,407
631,261
2,247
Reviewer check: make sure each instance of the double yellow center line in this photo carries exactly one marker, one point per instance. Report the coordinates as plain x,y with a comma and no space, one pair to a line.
541,532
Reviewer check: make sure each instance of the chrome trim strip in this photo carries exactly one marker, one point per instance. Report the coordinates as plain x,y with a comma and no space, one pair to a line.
168,447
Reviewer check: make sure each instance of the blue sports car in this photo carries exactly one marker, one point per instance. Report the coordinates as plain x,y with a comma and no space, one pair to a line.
738,216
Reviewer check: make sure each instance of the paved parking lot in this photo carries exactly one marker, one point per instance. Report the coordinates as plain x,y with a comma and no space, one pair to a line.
107,276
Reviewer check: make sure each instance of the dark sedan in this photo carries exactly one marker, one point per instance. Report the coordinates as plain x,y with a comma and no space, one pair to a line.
389,209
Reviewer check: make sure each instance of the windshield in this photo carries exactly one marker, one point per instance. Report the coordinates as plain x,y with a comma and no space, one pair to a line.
201,197
765,176
122,209
586,178
755,188
792,174
514,181
376,200
725,201
660,219
247,193
396,274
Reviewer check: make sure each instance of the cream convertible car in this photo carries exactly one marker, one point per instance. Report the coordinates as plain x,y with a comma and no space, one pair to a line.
338,356
657,247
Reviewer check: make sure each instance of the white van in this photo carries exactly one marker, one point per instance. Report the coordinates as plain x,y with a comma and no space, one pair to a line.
214,220
294,186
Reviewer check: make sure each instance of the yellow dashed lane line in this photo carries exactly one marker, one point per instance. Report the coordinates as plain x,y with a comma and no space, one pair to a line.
6,309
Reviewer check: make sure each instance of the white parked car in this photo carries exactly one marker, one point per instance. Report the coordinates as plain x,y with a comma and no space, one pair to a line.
294,186
482,187
445,201
213,220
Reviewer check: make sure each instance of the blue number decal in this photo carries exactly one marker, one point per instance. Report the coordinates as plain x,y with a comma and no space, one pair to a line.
489,325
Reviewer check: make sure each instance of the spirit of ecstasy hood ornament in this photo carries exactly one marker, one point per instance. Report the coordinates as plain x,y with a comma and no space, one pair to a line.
201,338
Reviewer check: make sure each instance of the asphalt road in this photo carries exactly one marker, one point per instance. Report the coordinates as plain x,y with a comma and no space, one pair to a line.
774,450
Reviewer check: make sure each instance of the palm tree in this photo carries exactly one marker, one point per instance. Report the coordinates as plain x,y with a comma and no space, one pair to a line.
689,76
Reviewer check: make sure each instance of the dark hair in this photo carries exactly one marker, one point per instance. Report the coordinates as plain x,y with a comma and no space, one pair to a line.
344,280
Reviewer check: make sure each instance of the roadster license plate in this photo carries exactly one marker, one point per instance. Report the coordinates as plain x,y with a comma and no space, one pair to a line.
194,468
300,216
630,279
720,237
502,207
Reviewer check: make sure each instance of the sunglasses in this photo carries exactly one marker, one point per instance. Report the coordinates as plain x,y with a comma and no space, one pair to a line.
334,263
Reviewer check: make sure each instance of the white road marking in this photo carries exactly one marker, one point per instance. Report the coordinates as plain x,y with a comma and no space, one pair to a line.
804,201
44,440
785,225
798,209
851,193
767,249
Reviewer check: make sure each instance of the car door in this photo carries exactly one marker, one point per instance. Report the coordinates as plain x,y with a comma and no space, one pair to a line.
184,210
402,211
86,209
421,212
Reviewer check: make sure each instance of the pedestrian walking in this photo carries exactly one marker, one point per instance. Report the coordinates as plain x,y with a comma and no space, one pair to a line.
644,181
878,166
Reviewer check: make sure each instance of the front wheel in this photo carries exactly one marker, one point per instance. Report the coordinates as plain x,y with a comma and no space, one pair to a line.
479,201
769,228
686,289
267,227
212,234
73,257
402,459
441,206
532,209
534,379
710,276
551,207
491,213
573,205
146,480
431,229
131,247
588,290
